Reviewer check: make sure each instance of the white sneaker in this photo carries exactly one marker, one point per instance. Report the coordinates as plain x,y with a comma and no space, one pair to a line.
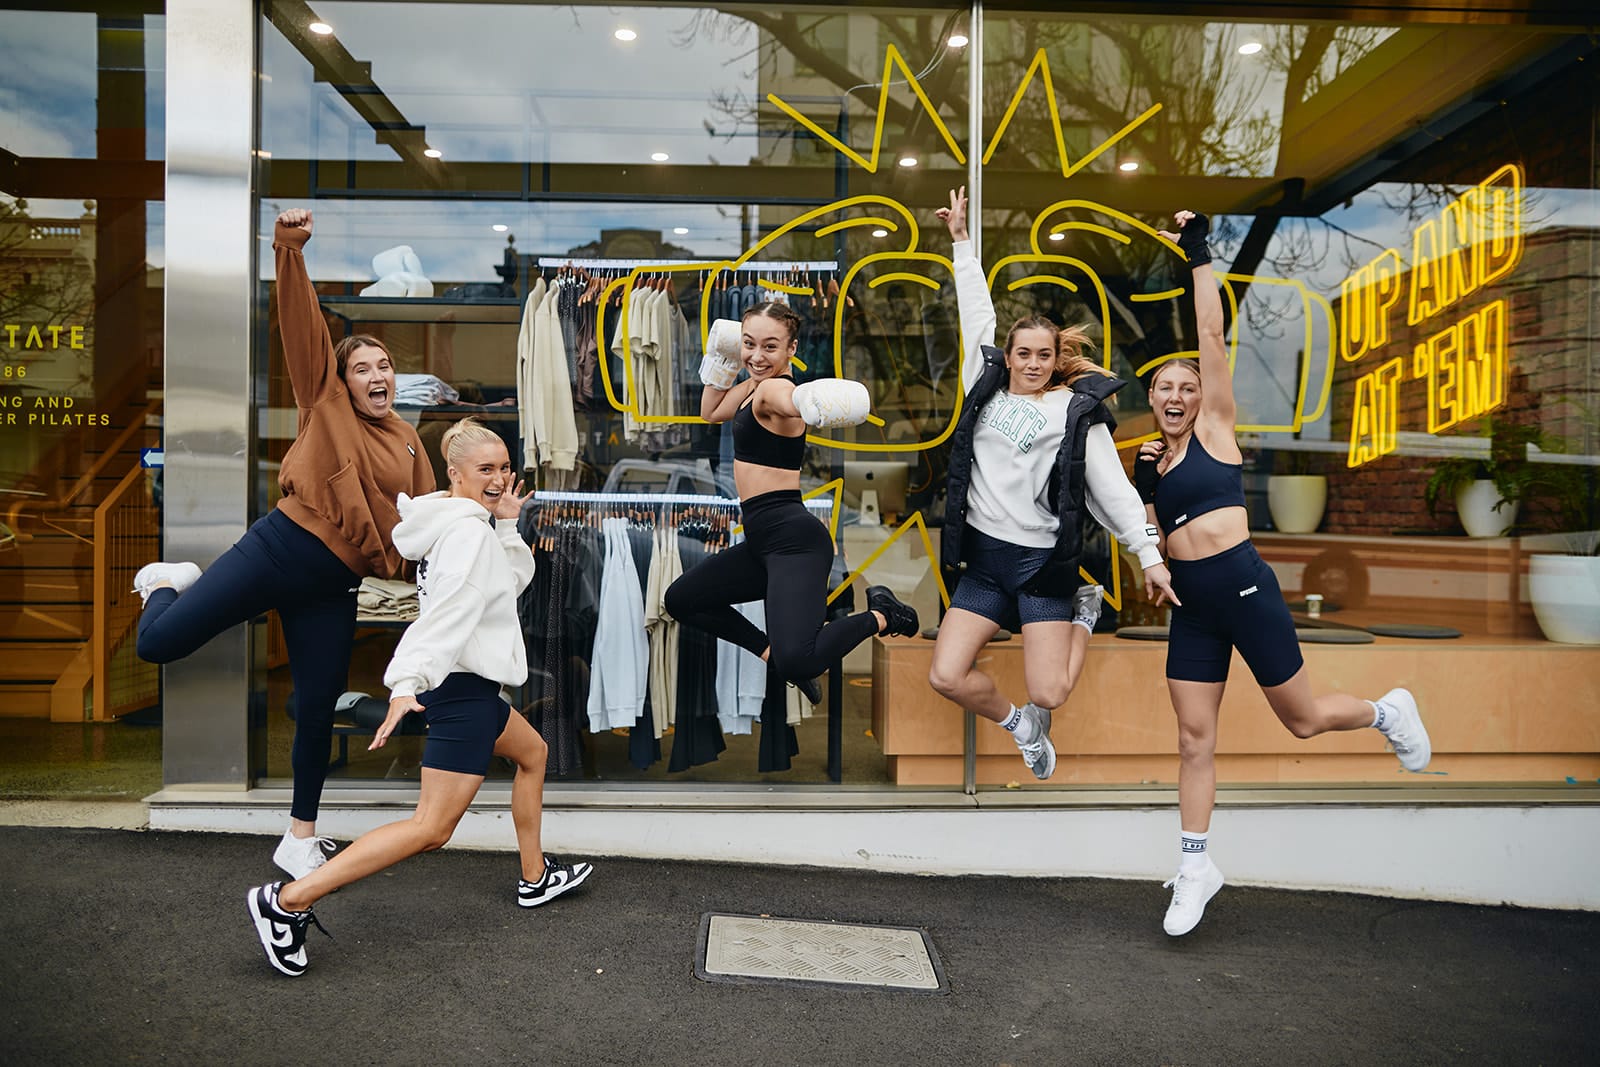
178,575
302,855
1040,753
1190,895
1401,723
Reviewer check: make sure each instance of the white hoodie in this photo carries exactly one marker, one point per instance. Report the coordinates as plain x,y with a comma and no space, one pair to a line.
469,575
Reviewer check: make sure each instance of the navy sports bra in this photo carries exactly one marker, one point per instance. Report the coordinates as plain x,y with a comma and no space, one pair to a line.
754,443
1199,484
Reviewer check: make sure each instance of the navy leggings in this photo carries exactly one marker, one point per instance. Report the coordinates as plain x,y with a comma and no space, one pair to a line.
276,564
784,560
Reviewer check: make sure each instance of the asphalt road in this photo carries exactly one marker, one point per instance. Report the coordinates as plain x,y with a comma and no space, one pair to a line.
134,947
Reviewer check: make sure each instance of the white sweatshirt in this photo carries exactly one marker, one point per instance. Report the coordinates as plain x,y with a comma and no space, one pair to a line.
1014,447
469,576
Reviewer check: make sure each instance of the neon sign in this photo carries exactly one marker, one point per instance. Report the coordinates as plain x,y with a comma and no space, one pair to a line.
1474,240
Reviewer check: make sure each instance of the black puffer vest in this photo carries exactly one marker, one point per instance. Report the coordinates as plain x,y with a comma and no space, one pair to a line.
1059,575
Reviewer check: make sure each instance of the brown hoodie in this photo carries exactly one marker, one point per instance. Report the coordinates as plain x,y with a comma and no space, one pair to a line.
341,476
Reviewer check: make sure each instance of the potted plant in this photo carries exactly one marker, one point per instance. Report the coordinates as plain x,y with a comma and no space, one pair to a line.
1488,493
1296,496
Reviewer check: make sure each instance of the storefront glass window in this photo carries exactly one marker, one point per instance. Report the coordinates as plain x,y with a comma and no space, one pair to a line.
700,159
81,143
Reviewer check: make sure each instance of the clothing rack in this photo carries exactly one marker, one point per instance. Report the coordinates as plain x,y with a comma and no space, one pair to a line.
822,504
613,264
559,497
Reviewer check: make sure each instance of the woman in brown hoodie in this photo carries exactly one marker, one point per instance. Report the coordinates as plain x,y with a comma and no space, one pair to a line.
351,459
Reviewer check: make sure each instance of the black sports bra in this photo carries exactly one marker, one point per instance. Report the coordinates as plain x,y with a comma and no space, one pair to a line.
754,443
1199,484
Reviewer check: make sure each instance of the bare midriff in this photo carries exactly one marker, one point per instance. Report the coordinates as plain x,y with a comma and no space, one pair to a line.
1208,534
753,479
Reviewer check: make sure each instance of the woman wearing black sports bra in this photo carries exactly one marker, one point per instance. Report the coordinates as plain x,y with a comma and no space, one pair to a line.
786,554
1191,480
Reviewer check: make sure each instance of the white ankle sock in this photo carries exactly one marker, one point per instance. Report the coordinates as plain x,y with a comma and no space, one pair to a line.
1381,719
1192,855
1012,721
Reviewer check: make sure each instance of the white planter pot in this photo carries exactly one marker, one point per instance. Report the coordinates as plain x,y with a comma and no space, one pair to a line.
1565,591
1296,501
1475,503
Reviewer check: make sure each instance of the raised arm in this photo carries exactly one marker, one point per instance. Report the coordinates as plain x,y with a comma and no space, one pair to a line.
307,348
719,372
1216,379
973,304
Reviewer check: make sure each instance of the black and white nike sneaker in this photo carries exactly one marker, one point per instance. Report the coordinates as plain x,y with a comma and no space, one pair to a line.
282,933
558,878
901,617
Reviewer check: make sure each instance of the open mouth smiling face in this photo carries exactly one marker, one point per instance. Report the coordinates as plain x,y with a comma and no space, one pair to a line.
1175,400
369,376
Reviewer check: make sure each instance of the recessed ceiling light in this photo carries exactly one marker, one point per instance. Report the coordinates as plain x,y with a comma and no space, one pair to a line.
958,40
908,161
660,157
625,34
1128,166
880,232
321,29
500,227
433,153
680,230
1249,48
1058,237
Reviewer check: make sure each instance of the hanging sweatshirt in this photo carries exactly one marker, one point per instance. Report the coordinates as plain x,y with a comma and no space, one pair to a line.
342,474
1014,447
544,390
469,574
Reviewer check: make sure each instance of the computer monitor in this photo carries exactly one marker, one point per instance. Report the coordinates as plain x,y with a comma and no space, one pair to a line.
887,479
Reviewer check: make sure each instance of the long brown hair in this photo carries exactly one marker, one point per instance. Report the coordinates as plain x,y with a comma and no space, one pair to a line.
342,350
1070,343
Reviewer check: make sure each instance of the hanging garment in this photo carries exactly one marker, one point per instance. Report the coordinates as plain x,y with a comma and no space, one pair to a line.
527,388
665,566
697,736
621,658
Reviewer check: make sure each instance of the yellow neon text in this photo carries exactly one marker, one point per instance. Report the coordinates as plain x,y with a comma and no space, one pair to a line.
1476,239
1376,420
1465,367
1365,299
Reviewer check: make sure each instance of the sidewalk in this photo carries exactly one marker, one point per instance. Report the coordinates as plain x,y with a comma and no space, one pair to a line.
135,947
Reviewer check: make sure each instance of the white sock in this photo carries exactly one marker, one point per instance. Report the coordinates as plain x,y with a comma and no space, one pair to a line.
1087,624
1381,719
1023,727
1191,851
1012,721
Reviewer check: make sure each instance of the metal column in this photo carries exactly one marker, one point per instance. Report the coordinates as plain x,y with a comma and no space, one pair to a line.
969,745
211,255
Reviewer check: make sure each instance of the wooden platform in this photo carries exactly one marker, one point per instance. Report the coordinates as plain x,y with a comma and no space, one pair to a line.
1498,709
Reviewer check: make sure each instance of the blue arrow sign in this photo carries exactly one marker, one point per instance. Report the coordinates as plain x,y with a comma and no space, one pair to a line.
151,457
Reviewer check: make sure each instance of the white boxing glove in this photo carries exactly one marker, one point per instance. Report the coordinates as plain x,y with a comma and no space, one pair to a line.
830,402
724,358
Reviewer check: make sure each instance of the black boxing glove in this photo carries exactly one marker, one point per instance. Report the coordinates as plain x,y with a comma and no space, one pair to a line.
1146,476
1192,240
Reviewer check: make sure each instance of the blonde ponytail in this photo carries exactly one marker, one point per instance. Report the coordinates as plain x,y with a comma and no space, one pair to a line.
467,434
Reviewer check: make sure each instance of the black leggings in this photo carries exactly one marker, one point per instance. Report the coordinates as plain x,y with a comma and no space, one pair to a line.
783,560
276,564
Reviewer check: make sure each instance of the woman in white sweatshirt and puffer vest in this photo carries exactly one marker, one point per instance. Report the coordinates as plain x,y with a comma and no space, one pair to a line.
450,665
1031,453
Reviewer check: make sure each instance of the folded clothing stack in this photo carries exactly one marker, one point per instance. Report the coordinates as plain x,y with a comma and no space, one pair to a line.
422,391
386,599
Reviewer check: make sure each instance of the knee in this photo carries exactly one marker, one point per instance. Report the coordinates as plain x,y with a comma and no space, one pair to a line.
534,756
436,835
1301,728
792,666
1196,744
677,600
153,648
945,681
1050,695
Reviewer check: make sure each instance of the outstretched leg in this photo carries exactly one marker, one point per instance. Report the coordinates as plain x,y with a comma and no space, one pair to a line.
703,596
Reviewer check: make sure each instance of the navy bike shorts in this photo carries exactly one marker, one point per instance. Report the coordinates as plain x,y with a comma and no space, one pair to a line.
1230,600
991,585
466,716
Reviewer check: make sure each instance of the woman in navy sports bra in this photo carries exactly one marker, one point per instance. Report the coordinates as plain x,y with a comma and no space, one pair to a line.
1228,598
786,555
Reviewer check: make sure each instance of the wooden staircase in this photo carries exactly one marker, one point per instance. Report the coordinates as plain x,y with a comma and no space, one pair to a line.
50,664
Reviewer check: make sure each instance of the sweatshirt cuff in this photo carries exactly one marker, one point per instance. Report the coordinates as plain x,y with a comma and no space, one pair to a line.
563,459
293,237
1150,556
406,688
962,250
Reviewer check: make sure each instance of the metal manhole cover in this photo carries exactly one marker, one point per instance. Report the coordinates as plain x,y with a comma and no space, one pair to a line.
751,948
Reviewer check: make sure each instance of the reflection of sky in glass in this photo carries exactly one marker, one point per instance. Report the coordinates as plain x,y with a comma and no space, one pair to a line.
504,83
457,243
47,84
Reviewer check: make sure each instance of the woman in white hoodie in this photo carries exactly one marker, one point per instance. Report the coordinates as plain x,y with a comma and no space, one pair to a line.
450,665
